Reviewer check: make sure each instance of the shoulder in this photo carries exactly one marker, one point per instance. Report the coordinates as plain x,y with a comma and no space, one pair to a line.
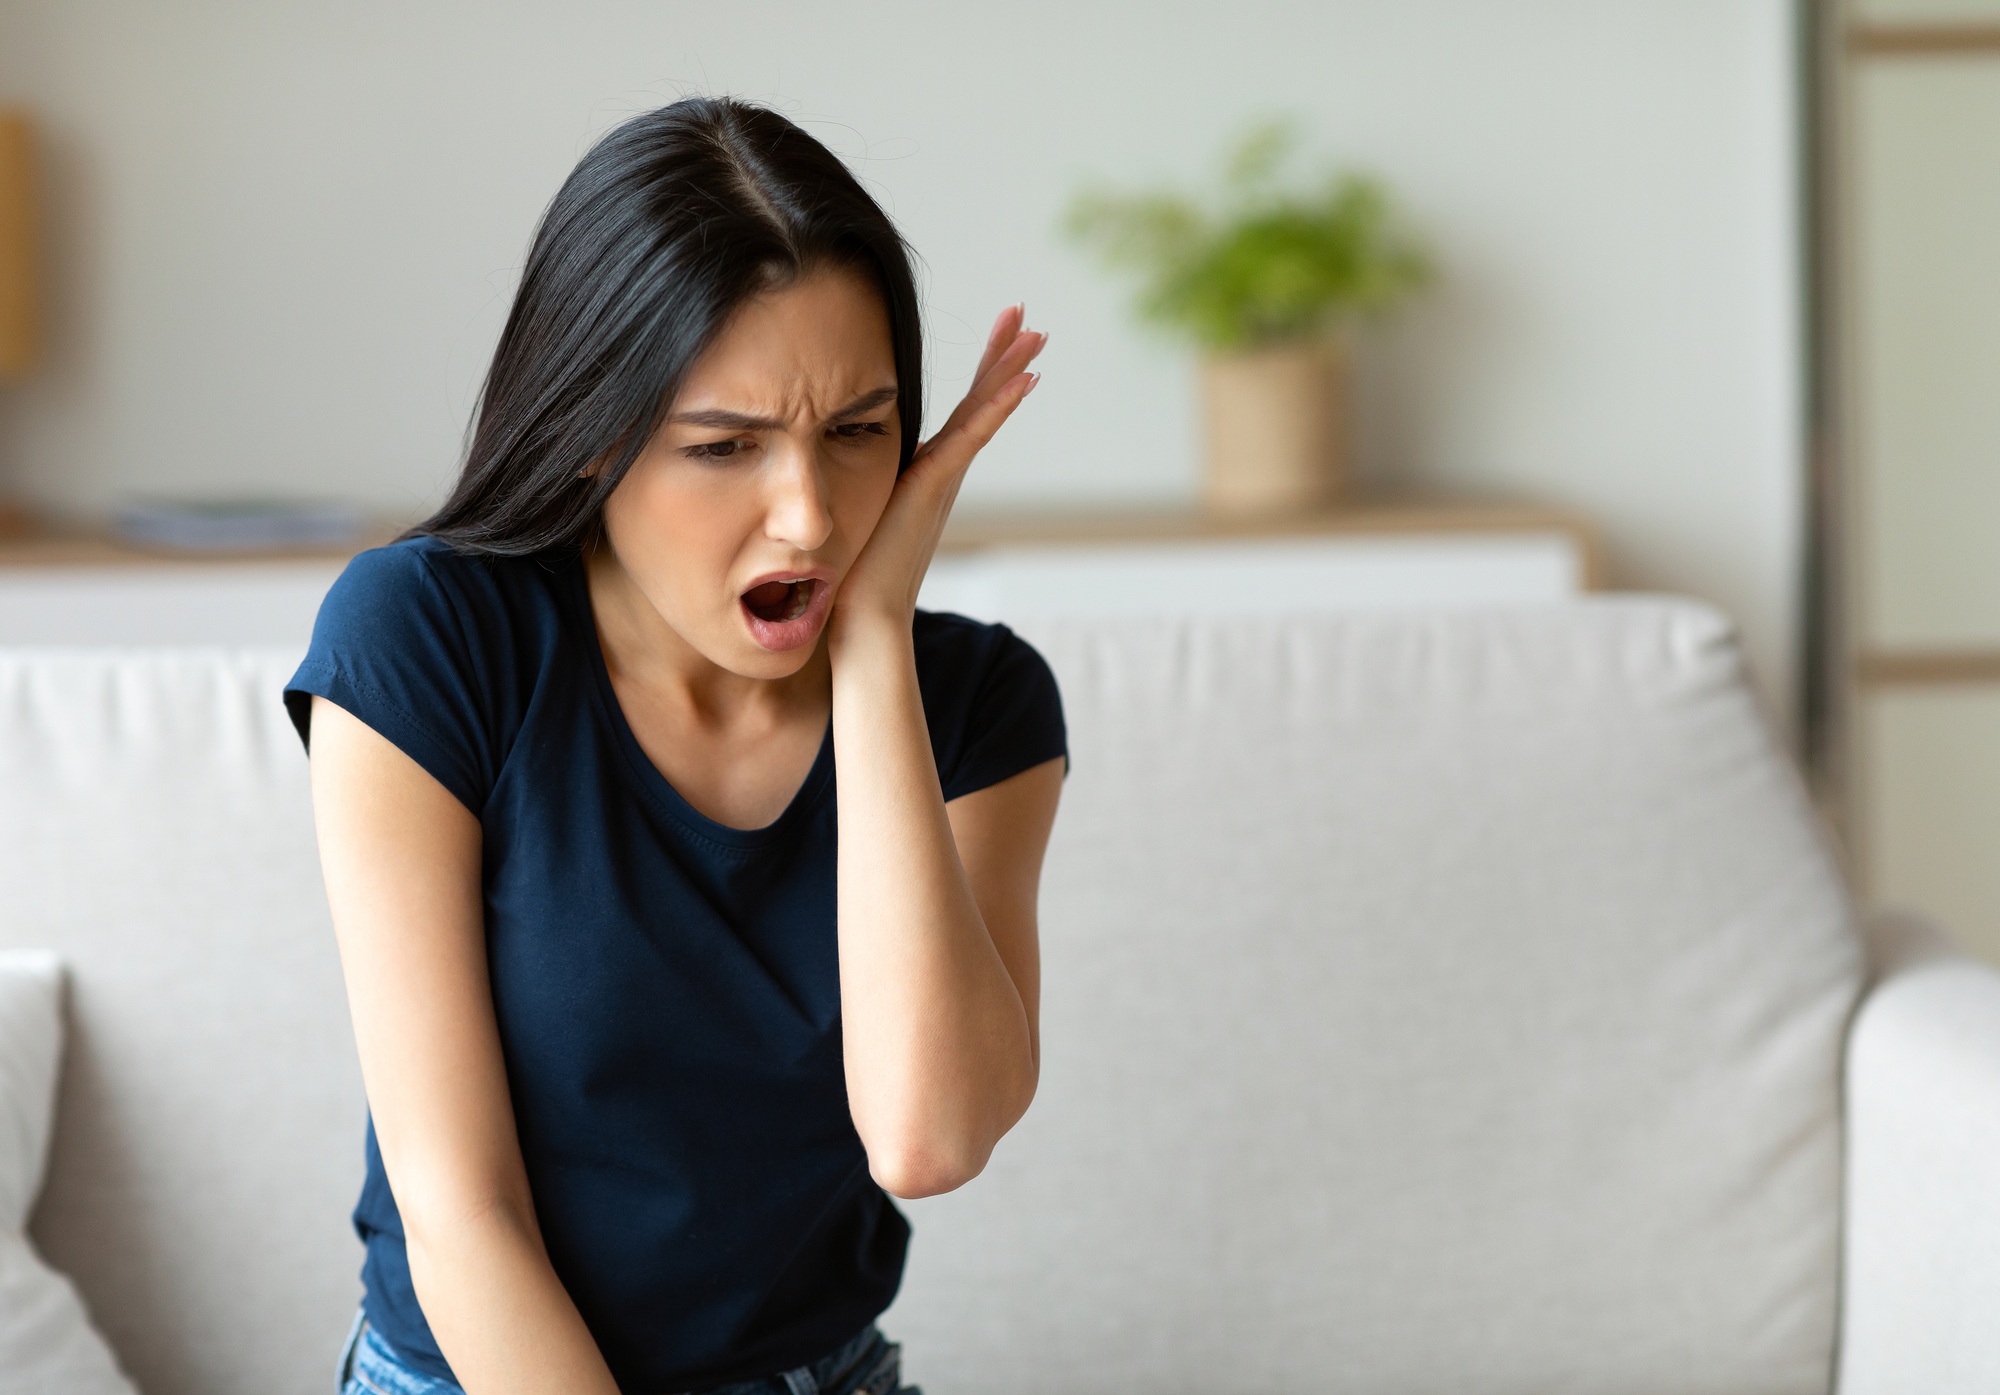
415,572
947,642
420,590
961,650
959,656
991,701
438,651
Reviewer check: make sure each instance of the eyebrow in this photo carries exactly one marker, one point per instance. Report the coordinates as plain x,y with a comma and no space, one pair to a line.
721,420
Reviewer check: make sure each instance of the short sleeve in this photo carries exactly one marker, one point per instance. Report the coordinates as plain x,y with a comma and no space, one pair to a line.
391,647
1012,715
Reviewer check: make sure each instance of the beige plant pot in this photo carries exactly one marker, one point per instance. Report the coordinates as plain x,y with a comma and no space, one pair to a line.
1276,428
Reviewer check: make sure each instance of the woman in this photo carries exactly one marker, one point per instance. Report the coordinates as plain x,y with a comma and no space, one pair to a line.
645,1045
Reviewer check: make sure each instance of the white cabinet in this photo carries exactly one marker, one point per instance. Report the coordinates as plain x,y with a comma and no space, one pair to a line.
992,570
1270,576
163,603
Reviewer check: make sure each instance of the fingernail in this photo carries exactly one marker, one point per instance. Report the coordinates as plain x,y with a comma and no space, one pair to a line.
1034,381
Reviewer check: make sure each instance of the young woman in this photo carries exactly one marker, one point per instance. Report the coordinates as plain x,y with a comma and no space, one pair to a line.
646,1044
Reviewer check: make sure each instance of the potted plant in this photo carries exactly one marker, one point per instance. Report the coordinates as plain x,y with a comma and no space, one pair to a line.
1263,282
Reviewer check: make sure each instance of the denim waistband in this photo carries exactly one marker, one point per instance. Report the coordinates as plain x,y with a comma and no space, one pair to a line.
867,1364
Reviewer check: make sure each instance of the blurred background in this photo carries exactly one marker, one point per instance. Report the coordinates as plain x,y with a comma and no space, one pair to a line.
1715,302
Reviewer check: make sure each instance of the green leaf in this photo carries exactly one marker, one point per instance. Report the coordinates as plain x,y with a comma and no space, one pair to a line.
1278,263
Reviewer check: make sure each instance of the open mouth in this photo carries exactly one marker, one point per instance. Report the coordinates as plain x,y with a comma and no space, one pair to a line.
776,602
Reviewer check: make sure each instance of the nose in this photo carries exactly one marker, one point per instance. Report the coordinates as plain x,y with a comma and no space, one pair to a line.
797,510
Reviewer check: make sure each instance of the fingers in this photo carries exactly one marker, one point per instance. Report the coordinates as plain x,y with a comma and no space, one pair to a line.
1013,360
1002,374
1009,349
977,424
991,415
1006,326
1026,346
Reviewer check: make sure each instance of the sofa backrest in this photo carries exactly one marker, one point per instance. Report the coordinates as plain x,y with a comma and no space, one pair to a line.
1432,1002
156,830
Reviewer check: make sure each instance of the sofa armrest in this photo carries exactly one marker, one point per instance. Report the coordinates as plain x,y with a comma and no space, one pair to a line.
1922,1283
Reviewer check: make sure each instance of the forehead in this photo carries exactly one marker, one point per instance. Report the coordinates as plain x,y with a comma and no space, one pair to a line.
815,344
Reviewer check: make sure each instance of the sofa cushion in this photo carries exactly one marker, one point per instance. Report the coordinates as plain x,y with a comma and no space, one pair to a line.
47,1345
30,1054
1432,1003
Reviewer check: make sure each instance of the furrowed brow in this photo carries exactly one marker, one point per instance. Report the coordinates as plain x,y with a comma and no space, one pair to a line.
862,406
720,419
726,421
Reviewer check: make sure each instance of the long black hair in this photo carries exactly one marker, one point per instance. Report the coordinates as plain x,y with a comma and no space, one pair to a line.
669,224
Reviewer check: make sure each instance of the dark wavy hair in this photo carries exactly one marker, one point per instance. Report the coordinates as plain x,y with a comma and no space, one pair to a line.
670,223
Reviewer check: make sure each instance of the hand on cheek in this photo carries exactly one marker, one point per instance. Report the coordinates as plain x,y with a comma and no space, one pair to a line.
885,579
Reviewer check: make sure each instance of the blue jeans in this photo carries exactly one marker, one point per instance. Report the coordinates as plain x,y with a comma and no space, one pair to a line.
870,1364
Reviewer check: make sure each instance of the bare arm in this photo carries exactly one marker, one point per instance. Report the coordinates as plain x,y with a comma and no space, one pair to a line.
402,863
939,981
939,972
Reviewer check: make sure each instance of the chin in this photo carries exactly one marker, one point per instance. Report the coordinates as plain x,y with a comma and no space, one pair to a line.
748,659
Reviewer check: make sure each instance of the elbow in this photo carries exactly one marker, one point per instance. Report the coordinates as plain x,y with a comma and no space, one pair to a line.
920,1158
443,1224
921,1145
909,1172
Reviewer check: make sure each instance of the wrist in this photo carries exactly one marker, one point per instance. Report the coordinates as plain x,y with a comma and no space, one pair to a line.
863,634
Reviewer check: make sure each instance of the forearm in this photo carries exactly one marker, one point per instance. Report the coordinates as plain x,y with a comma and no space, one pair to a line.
500,1315
939,1053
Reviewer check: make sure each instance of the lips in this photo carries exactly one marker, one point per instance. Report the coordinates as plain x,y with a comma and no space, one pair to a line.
787,611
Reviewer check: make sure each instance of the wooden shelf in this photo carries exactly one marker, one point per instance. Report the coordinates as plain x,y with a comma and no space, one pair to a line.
82,549
1927,668
968,532
1923,40
974,531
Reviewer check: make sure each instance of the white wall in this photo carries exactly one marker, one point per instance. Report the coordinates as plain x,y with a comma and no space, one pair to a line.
285,234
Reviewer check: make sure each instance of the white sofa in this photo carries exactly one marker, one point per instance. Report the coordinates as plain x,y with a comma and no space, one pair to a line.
1436,1002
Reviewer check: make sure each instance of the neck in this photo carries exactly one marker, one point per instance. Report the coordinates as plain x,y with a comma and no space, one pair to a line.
641,648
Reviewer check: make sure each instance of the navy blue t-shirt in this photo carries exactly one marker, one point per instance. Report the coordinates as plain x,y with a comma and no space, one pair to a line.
667,987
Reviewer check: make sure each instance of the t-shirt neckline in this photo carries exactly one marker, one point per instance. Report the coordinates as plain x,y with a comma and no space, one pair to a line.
651,781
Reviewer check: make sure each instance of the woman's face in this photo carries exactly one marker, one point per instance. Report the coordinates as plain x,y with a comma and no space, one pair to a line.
742,515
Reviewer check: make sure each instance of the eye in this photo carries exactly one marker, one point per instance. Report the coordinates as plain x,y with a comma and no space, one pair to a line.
715,450
860,430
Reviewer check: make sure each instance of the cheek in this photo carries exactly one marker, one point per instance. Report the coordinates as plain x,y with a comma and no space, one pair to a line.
866,487
675,528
